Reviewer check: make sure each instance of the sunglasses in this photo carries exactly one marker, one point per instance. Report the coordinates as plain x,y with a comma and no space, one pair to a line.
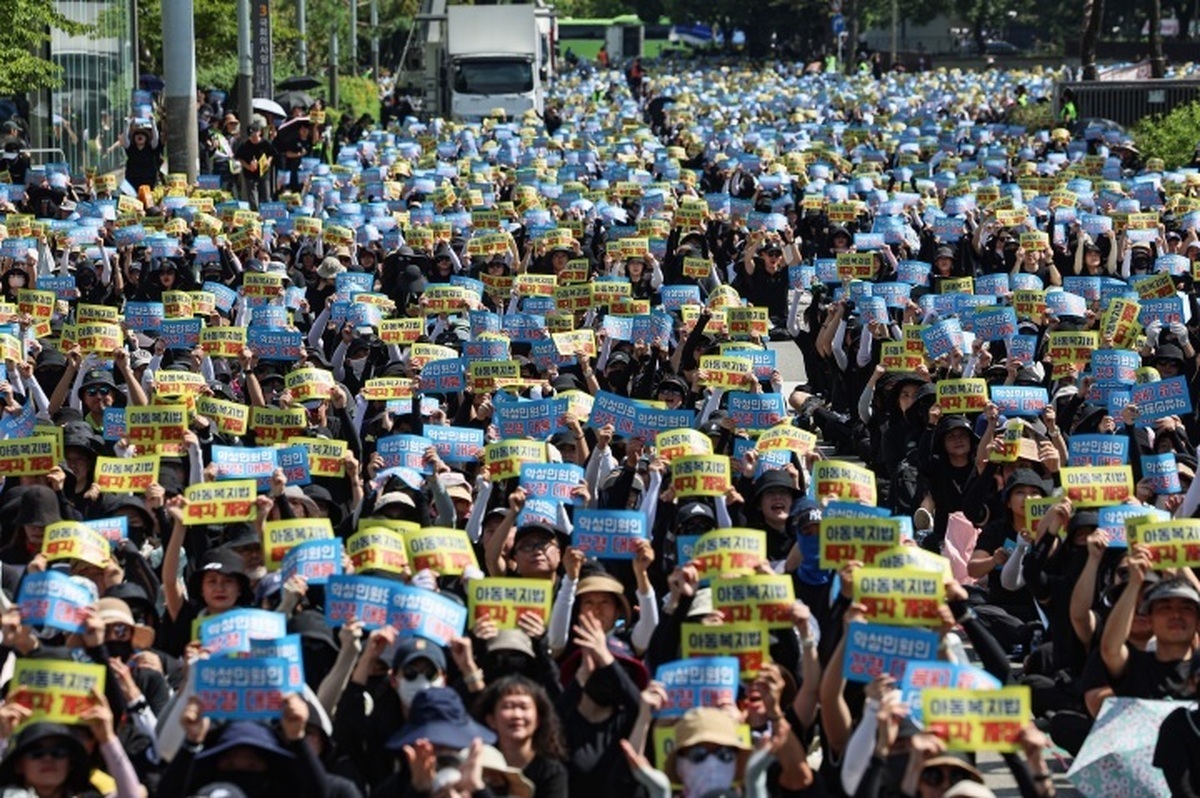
97,392
118,631
413,672
942,776
53,751
696,755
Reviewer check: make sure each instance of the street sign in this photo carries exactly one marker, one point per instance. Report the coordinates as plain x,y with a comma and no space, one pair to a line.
260,29
839,24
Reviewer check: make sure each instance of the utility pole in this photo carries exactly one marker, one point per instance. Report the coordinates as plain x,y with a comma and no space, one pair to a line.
302,28
179,63
895,22
375,40
245,71
354,37
333,68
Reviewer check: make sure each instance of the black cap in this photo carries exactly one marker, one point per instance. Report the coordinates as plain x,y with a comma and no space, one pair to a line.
1025,477
1083,519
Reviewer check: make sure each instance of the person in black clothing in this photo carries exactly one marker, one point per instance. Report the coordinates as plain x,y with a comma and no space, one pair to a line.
143,154
255,155
1178,749
528,732
764,279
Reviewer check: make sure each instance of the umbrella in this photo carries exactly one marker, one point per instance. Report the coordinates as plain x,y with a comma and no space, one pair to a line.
298,82
294,99
267,106
1118,756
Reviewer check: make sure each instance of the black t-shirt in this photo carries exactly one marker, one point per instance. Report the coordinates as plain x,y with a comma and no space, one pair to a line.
1178,749
252,151
1144,677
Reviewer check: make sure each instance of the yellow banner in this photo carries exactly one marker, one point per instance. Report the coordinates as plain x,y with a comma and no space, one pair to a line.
748,323
231,418
485,376
749,642
98,337
962,396
279,537
675,443
503,600
862,539
576,342
377,548
324,456
220,502
785,436
730,373
729,552
383,389
223,341
72,540
701,475
177,304
126,474
56,690
856,265
33,457
1097,486
155,424
443,549
900,596
844,481
1172,544
401,331
420,354
977,720
758,599
504,458
273,425
169,382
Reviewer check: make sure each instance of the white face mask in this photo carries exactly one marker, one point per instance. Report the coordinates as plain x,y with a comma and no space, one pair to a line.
408,688
357,365
700,778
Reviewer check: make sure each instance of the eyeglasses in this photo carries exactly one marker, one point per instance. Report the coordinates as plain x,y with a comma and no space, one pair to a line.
942,776
671,390
531,546
58,751
696,755
118,631
97,392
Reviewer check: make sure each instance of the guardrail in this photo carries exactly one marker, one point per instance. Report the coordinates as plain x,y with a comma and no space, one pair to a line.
1126,102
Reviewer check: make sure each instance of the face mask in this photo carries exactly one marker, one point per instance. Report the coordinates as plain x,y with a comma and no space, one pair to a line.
253,784
121,649
408,689
699,778
602,694
357,366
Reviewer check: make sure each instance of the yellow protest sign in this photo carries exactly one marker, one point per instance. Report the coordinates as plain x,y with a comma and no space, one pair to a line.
758,599
324,455
900,596
786,436
856,265
231,418
748,323
279,537
443,549
674,443
915,557
485,376
384,389
261,287
170,382
1120,322
700,475
32,456
503,600
220,502
579,404
576,342
72,540
1156,286
204,303
443,298
155,424
1066,349
726,552
845,481
126,474
977,720
1172,544
177,304
40,306
273,425
857,538
98,337
422,353
1029,304
309,383
401,331
504,458
749,642
377,548
528,284
223,341
697,268
1097,486
55,690
962,396
730,373
895,357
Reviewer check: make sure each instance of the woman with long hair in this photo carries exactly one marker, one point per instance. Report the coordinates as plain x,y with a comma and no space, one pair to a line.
528,732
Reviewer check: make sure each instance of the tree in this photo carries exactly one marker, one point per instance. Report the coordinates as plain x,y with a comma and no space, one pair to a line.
26,29
1093,15
1158,64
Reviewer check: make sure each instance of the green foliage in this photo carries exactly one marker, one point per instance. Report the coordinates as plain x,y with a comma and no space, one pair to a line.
26,28
1171,137
357,96
1034,116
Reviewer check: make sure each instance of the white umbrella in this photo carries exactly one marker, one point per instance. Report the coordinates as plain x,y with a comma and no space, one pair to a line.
1118,756
268,106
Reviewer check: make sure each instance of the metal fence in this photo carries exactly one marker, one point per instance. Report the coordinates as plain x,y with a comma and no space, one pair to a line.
1126,102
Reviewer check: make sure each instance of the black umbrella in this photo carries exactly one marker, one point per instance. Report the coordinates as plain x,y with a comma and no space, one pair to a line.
298,82
294,99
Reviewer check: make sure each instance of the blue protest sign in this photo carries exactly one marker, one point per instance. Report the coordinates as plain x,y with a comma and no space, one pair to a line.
537,419
610,408
288,648
1162,472
448,375
609,534
231,632
294,462
1019,400
919,674
1026,281
1167,310
416,612
914,272
1117,366
1064,303
315,560
1097,450
676,296
993,285
1087,287
365,598
484,350
874,649
246,462
275,344
942,338
225,296
1021,348
697,682
275,317
524,327
649,421
1113,518
551,481
114,423
994,324
763,360
404,450
349,282
62,286
180,333
756,411
1161,399
114,529
455,444
242,689
54,600
144,315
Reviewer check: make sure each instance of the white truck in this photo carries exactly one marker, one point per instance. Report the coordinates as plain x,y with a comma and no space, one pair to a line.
470,61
